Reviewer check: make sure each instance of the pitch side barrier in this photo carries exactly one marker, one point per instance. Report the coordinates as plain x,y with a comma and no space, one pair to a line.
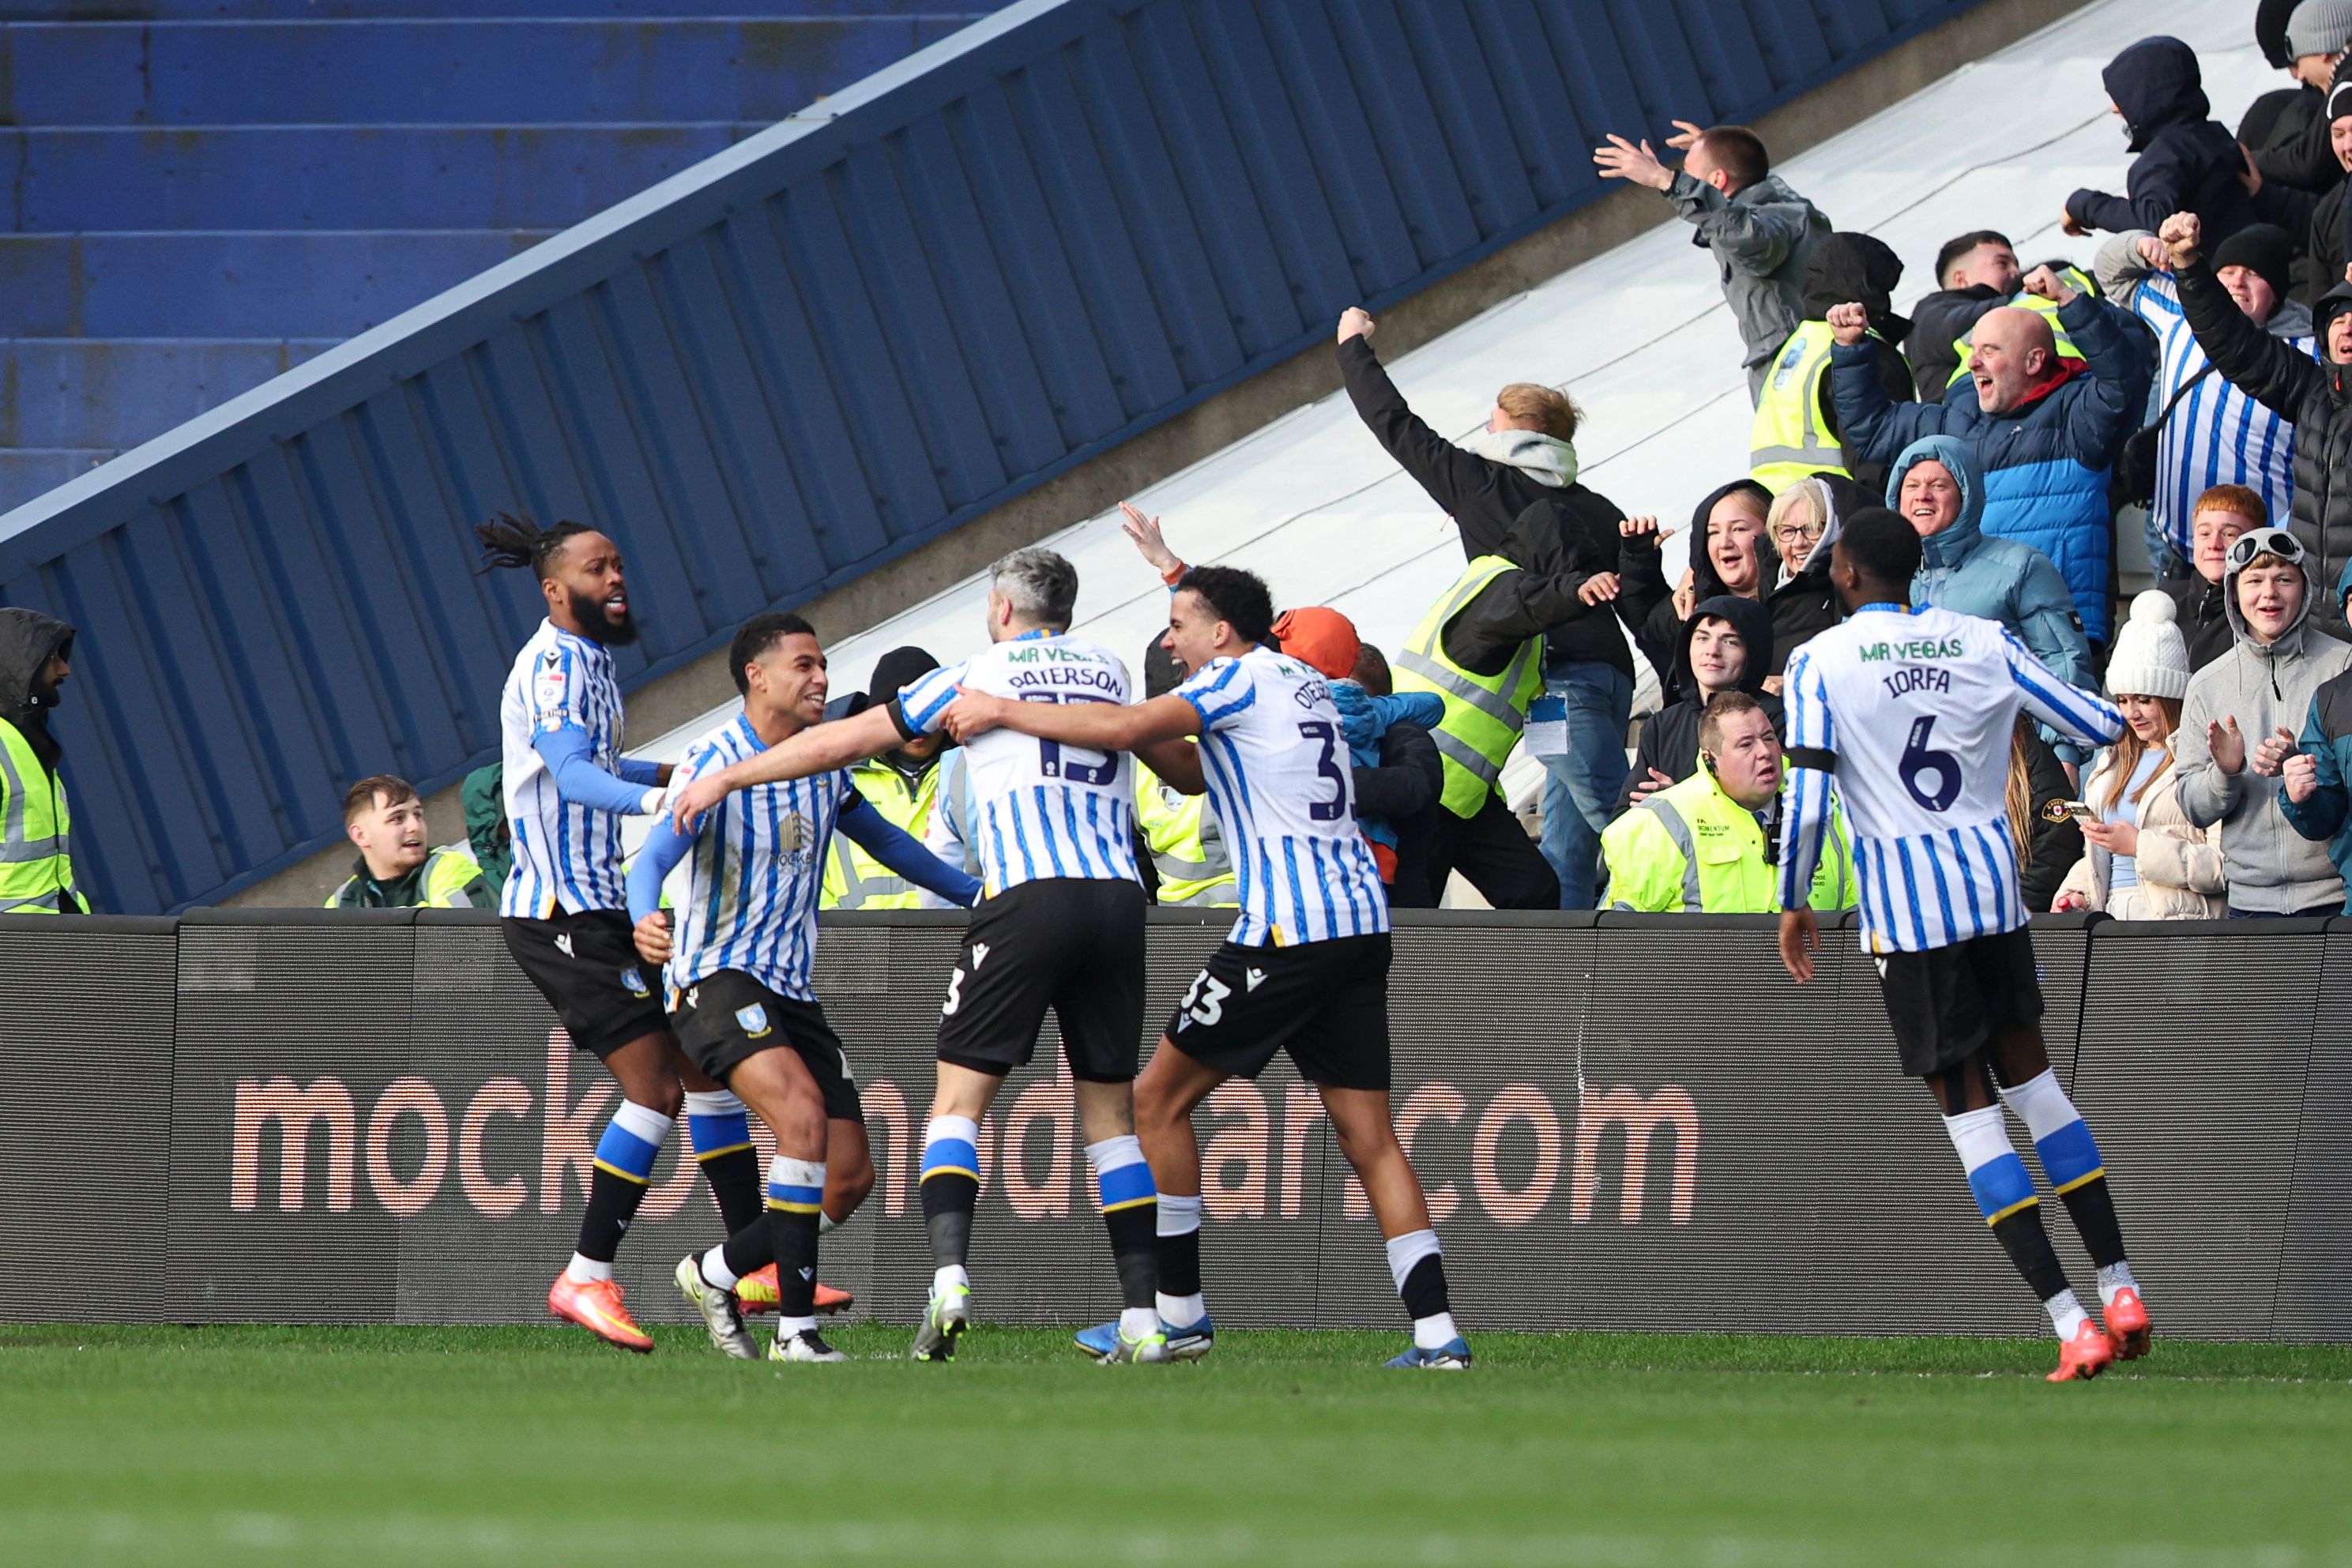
1626,1121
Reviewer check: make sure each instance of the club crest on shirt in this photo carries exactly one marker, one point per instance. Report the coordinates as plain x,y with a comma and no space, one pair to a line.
634,981
2054,810
754,1020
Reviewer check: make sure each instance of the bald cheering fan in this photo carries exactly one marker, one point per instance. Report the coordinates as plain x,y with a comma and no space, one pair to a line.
2046,428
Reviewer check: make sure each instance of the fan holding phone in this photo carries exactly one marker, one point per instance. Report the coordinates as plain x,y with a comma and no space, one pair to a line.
2145,859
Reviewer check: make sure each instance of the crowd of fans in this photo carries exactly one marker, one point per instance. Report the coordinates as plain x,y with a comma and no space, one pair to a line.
2016,420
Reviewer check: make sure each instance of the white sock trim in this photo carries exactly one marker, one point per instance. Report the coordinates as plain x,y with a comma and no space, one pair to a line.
1180,1311
951,1274
2113,1278
1979,1137
585,1270
963,1127
1115,1154
1179,1216
787,1327
711,1102
649,1124
2066,1314
784,1172
2041,1104
1408,1249
713,1265
1434,1331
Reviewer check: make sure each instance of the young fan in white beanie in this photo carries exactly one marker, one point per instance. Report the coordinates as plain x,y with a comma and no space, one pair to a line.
2146,860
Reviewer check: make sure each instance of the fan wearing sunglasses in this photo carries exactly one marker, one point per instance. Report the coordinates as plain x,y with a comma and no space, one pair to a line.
2240,728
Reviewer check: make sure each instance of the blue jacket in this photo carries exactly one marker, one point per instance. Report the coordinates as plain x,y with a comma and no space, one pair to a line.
1963,569
2327,737
2044,467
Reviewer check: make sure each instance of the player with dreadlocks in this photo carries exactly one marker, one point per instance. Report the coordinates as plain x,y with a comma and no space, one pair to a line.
565,908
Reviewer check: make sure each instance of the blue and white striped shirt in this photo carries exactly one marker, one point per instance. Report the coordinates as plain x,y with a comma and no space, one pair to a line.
1918,707
755,872
566,856
2217,435
1044,810
1277,771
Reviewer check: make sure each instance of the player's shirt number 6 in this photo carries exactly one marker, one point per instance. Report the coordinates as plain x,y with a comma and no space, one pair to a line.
1921,763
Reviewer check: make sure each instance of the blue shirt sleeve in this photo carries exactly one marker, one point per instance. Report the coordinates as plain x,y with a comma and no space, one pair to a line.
580,781
663,849
639,771
874,833
1805,819
920,703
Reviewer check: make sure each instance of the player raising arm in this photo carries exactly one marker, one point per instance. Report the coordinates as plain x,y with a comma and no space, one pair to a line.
738,979
1306,967
1911,710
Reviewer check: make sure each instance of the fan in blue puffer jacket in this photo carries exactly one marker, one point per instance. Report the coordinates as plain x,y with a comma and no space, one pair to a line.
2044,429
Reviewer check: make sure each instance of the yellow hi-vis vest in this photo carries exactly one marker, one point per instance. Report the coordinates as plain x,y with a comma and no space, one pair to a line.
447,872
856,880
1788,438
35,830
1965,344
1690,849
1188,847
1484,714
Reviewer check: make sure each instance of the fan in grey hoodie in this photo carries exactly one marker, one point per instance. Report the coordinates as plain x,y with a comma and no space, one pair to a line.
1761,232
2239,706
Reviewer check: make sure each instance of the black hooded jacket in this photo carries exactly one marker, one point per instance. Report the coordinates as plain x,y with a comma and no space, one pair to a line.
1861,269
2318,397
1670,738
29,641
2188,161
2201,614
1650,603
1487,498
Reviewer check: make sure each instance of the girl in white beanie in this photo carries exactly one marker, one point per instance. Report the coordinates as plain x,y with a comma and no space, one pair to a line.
2146,861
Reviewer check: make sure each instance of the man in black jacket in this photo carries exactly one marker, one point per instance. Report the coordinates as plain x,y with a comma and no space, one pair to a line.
1526,455
1550,589
2285,132
2317,396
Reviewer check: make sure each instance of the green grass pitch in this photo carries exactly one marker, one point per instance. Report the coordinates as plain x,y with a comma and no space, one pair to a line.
415,1446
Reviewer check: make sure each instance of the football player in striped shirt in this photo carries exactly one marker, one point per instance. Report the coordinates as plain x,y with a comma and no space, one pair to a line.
1061,927
737,973
563,911
1911,708
1305,968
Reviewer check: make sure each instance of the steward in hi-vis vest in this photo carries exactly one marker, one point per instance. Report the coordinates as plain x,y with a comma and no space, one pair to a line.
36,875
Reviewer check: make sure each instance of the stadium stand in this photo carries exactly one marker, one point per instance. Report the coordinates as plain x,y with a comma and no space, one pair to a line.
205,195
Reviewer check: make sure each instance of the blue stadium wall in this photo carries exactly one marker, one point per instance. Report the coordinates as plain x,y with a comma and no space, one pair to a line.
783,367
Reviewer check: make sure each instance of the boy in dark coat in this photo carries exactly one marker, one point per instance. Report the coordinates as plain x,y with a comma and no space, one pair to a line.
2188,161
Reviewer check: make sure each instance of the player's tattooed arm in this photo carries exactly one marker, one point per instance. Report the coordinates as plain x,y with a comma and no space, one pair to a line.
820,749
1103,727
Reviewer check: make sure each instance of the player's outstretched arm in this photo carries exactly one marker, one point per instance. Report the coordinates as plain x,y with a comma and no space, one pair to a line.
2074,713
1102,726
820,749
874,833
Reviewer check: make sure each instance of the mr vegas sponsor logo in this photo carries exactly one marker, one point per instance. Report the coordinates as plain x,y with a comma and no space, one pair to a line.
1511,1158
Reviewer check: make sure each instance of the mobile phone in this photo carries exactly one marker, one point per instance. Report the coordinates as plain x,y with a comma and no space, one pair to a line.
2081,811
